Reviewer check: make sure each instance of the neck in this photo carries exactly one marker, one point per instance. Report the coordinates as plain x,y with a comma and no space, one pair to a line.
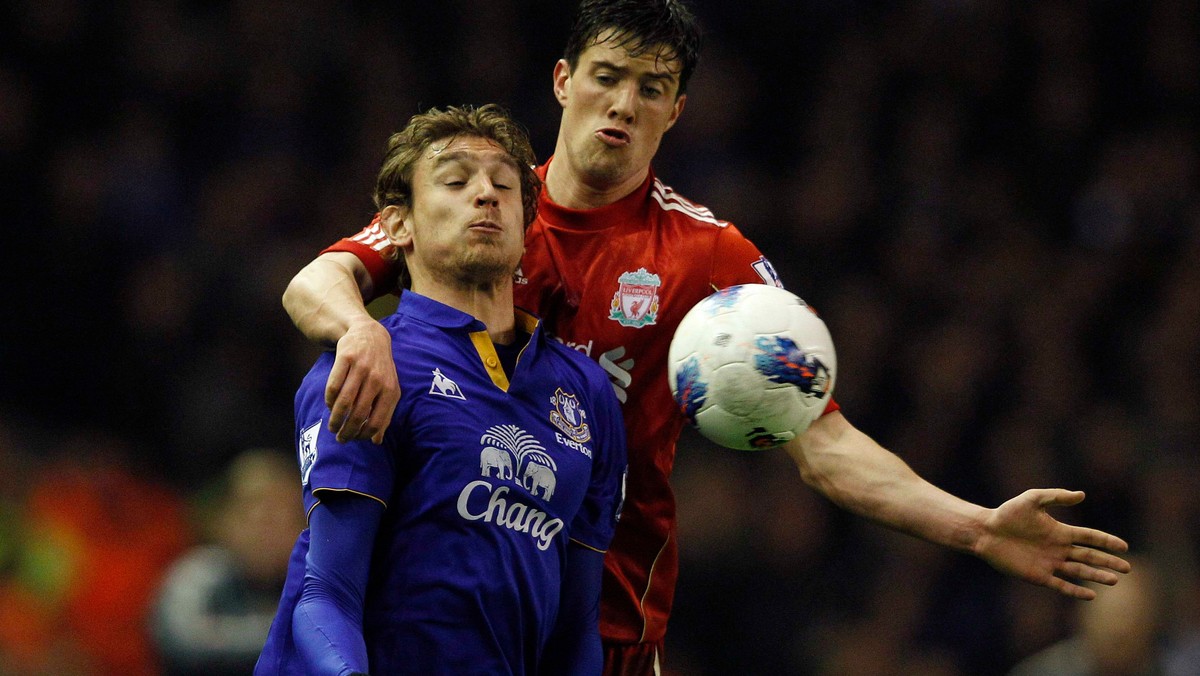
569,187
489,302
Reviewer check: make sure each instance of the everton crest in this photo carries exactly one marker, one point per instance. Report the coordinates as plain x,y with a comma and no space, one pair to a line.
636,301
569,417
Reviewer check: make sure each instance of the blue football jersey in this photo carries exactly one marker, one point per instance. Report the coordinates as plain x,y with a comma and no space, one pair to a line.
484,481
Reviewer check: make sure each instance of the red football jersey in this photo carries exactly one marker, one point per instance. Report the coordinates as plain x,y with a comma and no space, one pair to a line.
614,283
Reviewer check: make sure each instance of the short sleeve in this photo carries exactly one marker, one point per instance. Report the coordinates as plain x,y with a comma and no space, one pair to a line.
360,466
372,246
737,261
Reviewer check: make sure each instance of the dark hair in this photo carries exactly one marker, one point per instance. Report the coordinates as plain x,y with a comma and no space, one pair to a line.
667,27
490,121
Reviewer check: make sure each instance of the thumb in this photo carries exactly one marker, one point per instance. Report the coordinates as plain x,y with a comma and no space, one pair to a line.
1047,497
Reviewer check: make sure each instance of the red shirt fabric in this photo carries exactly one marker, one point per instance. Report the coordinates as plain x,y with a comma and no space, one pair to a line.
614,283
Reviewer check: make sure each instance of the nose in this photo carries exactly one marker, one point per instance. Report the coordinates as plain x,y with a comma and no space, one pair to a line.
624,102
488,196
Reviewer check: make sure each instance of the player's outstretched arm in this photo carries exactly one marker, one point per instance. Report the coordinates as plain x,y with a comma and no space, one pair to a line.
325,301
1019,538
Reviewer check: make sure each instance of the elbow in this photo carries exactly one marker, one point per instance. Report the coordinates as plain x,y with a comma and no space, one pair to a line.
817,480
303,307
291,296
820,453
809,472
821,439
305,291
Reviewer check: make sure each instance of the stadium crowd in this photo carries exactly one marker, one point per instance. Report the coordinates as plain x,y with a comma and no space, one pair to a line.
994,205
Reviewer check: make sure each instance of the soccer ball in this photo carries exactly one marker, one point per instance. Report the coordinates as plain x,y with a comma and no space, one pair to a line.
751,366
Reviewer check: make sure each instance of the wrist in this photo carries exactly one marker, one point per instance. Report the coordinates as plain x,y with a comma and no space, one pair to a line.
971,536
363,321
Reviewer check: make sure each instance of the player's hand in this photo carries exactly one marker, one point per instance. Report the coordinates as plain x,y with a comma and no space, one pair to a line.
1022,539
362,390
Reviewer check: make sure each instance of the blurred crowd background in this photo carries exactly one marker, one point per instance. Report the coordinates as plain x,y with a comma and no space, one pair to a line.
995,206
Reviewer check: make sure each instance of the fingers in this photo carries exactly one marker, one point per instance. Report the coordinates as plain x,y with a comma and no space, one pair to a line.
1068,588
341,390
1090,537
1099,559
381,414
345,414
1086,565
362,389
334,384
359,409
373,406
1080,571
1036,547
360,406
1092,546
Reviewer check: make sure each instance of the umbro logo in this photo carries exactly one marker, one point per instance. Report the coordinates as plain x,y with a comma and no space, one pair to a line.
445,387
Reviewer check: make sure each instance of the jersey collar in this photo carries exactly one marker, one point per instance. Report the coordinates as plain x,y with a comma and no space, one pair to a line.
416,306
420,308
627,208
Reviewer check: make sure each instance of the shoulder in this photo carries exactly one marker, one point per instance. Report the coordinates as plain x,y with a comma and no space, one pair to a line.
681,210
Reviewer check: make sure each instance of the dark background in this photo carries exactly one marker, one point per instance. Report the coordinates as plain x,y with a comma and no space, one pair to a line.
993,204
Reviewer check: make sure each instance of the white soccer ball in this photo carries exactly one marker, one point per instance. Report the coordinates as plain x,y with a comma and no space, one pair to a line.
752,366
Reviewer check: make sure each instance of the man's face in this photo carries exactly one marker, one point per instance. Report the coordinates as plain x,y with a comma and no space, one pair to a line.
616,108
466,223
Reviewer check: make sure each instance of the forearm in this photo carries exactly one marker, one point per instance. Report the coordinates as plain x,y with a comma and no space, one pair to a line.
325,299
1018,538
327,624
328,638
574,646
859,475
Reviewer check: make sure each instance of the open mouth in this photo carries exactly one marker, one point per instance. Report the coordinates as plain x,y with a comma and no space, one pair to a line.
613,137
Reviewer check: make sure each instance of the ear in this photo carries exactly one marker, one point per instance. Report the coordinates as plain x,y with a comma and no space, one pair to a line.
396,225
562,81
677,112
